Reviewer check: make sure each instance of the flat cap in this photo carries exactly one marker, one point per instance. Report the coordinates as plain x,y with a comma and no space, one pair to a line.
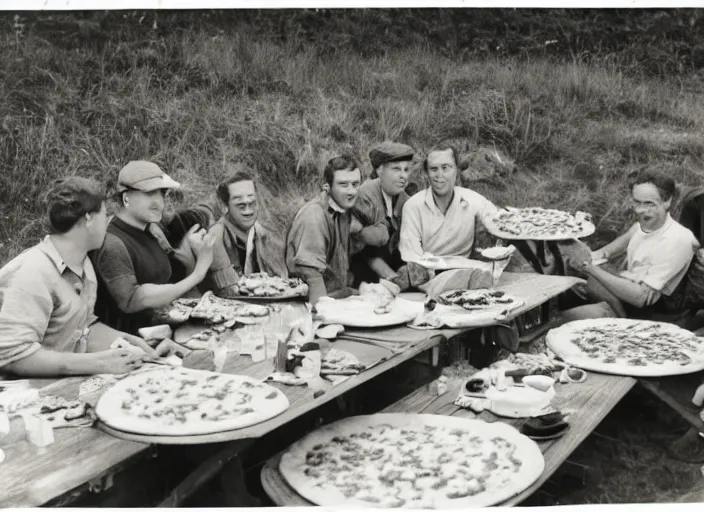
388,151
144,176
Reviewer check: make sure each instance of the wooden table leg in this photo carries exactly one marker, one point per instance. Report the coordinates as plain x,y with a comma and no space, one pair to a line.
435,356
206,471
234,488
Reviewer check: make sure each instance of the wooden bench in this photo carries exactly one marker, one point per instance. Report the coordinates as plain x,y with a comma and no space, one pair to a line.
589,402
677,392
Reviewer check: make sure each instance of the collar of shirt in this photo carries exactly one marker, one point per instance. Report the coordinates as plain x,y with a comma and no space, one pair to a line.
236,231
335,207
668,222
388,203
48,248
458,197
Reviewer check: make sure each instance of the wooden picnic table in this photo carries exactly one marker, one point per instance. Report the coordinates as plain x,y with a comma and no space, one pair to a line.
32,476
589,402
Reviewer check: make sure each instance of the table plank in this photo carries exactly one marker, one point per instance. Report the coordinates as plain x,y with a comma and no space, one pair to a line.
31,476
589,402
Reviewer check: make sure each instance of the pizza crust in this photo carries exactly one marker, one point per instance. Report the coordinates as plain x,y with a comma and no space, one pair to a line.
327,492
150,403
559,340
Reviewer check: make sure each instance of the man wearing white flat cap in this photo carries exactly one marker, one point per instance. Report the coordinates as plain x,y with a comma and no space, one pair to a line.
134,272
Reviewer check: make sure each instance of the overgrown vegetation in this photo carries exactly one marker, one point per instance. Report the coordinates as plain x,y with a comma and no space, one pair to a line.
198,92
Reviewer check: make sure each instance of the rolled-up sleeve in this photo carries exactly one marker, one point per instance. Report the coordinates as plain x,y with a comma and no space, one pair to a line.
114,266
309,238
25,309
410,238
485,209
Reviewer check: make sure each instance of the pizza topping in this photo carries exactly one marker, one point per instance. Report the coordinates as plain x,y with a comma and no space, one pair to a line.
416,466
476,299
539,223
182,401
632,345
264,285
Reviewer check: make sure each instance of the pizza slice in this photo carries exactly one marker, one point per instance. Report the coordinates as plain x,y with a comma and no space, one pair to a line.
217,310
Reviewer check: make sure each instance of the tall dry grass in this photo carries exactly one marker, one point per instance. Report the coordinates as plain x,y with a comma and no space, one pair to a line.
564,135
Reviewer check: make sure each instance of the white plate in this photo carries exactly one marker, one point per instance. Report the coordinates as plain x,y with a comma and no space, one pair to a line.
356,312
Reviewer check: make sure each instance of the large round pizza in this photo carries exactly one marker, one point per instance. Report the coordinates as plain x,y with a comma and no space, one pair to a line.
412,461
638,348
262,286
185,402
537,223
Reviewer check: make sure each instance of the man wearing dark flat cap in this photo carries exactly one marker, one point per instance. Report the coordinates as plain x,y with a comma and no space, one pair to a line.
378,209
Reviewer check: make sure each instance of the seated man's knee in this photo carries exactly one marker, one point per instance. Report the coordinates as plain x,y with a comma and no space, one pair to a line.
598,310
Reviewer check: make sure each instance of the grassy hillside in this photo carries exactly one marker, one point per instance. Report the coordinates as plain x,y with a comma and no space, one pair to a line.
562,133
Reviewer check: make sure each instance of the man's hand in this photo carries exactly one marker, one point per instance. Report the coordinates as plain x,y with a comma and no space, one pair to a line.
343,293
119,361
204,254
196,238
140,343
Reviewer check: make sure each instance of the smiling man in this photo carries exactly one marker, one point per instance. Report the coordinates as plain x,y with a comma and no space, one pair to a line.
134,271
658,252
242,246
318,241
378,209
441,220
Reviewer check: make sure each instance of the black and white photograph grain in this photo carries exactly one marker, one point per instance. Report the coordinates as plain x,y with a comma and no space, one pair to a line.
357,258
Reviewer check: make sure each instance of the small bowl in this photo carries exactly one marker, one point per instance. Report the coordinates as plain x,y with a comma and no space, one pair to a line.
539,382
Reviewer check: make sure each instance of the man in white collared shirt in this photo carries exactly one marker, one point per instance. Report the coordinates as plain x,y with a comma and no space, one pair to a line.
48,293
441,220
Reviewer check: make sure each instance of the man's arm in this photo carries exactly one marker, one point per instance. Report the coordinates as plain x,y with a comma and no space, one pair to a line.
410,238
374,230
101,336
25,312
635,294
310,240
616,247
48,363
114,265
381,268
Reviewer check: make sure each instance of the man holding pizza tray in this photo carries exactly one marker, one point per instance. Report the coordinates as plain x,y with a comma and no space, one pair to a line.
48,292
440,222
658,251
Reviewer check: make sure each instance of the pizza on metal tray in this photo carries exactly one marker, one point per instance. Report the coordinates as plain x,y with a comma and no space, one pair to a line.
411,461
477,299
181,402
628,347
540,223
263,285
